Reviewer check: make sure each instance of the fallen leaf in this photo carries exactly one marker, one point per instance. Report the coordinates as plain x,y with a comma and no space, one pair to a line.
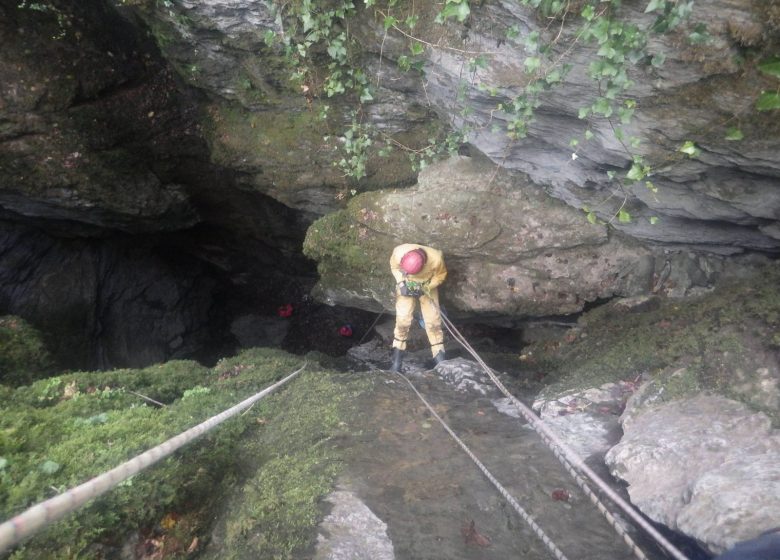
560,495
472,536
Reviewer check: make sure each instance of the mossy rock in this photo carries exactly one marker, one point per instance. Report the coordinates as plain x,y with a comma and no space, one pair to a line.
23,355
61,431
723,342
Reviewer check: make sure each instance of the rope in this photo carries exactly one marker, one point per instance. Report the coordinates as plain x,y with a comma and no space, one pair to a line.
571,461
365,334
554,550
46,513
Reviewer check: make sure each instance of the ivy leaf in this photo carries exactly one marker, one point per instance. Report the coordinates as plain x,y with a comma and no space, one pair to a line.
588,12
699,35
532,64
592,217
768,101
636,173
411,21
602,106
771,67
416,48
655,5
389,22
365,96
733,133
658,60
653,220
584,112
690,149
459,9
588,135
624,217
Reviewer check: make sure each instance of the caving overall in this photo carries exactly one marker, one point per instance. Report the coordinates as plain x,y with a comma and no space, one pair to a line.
424,282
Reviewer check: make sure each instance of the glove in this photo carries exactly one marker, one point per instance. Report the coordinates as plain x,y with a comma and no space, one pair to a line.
410,289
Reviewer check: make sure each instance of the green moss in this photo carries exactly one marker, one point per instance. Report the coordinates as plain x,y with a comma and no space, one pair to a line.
722,342
59,432
280,504
344,245
243,138
23,356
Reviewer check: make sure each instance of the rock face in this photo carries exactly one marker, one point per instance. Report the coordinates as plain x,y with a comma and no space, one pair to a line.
708,202
510,250
110,303
706,466
183,120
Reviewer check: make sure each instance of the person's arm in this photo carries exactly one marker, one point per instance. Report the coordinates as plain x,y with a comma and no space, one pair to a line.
395,268
438,276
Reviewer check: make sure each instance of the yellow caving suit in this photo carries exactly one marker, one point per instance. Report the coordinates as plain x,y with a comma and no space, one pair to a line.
431,276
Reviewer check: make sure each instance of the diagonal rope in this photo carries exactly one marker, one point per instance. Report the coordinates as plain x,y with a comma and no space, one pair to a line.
554,550
46,513
573,462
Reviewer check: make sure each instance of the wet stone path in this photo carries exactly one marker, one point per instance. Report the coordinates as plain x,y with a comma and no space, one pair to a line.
410,492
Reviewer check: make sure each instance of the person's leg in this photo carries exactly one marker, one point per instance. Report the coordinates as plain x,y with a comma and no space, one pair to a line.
429,305
404,310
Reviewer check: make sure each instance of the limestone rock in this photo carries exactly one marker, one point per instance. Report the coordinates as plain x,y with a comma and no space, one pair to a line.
706,466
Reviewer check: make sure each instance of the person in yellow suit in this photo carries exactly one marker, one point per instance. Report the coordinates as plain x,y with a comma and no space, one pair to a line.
418,271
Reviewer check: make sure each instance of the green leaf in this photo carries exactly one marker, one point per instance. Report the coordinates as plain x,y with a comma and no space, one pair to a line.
49,467
658,60
573,142
553,77
624,217
365,96
699,35
592,217
768,101
532,63
653,220
733,133
389,22
588,135
588,12
417,48
3,463
771,67
690,149
602,106
651,187
655,5
584,112
459,9
637,172
411,21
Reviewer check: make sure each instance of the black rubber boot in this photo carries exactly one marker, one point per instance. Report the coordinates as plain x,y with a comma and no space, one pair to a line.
398,357
438,358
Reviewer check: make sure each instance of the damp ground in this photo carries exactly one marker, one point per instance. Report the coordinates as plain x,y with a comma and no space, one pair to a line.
437,504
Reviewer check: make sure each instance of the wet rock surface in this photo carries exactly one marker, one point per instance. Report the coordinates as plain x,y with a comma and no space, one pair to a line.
706,466
432,500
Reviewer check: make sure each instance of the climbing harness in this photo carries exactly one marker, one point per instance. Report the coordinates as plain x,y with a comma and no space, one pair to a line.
45,513
572,462
554,550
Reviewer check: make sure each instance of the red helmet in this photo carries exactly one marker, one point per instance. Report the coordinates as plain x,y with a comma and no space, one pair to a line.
413,261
